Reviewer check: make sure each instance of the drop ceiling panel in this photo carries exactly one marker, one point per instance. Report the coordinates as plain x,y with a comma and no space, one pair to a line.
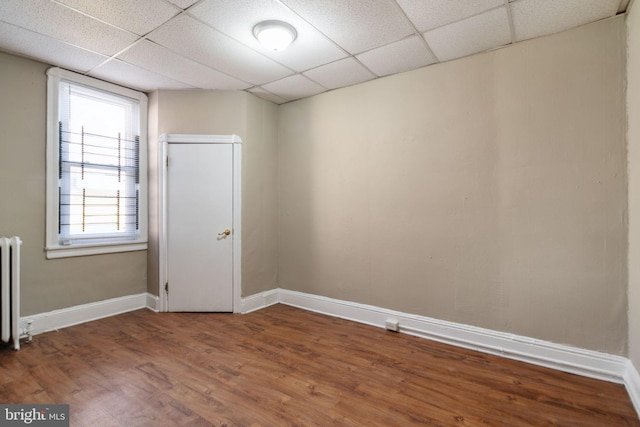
139,16
355,25
534,18
134,77
345,72
261,93
310,49
404,55
294,87
430,14
207,46
43,48
59,22
151,56
472,35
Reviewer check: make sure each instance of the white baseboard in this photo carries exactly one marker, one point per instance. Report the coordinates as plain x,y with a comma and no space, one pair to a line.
632,382
258,301
578,361
58,319
587,363
153,302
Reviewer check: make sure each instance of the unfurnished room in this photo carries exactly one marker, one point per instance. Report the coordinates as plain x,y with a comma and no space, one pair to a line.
320,212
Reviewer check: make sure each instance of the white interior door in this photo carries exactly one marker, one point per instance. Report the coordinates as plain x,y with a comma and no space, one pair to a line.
200,227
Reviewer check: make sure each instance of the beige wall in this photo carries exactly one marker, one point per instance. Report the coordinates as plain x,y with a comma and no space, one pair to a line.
260,198
633,112
489,191
253,119
46,284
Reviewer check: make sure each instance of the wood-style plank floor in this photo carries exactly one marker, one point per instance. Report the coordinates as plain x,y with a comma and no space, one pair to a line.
283,366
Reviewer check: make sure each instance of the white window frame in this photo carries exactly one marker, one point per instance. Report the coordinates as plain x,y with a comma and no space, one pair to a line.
53,248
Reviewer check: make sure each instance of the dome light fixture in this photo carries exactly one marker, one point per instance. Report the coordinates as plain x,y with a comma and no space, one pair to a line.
275,35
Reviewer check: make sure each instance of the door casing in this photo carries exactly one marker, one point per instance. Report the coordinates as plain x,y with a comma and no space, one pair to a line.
236,143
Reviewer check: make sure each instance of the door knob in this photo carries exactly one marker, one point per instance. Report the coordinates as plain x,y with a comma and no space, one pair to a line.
225,233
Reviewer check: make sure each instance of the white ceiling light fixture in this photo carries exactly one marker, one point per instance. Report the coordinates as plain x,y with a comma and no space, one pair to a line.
275,35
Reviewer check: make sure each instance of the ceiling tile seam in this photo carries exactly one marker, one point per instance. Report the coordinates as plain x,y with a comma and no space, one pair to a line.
336,44
285,98
362,65
431,52
74,45
342,87
349,56
178,13
512,34
568,29
365,67
266,90
39,59
114,56
249,84
464,19
95,18
146,37
387,44
308,78
416,32
240,43
319,84
265,98
343,50
58,41
278,79
157,72
180,8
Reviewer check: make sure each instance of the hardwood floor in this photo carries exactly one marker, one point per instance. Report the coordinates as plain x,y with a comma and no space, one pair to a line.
283,366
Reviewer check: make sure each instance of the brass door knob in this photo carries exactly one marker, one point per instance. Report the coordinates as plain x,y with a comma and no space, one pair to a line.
225,233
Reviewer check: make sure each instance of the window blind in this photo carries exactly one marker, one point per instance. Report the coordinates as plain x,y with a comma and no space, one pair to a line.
99,167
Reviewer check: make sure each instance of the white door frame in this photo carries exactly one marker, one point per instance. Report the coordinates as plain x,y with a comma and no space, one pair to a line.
235,140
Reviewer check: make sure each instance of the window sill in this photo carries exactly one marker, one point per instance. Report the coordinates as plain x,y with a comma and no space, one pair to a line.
54,252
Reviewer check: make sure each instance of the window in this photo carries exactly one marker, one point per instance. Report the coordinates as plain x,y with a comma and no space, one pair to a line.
96,166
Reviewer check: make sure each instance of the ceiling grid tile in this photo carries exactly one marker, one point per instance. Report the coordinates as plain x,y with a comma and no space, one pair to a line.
59,22
310,49
404,55
357,26
535,18
345,72
473,35
203,44
151,56
138,17
209,44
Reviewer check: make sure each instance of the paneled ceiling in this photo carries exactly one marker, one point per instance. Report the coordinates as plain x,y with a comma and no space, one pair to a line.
209,44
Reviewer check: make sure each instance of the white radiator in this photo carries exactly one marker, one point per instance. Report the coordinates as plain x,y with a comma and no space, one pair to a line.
10,290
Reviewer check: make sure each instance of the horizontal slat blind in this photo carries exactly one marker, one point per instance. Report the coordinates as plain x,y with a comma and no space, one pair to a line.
99,172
